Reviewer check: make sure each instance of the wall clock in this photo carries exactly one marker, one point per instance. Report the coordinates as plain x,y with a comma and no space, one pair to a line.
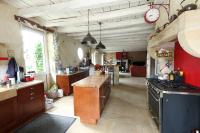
152,15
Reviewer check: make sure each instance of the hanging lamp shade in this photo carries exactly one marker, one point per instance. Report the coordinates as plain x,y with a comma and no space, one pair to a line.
88,37
100,45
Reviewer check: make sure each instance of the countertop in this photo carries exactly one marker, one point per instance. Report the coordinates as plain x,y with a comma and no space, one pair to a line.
9,92
65,74
92,81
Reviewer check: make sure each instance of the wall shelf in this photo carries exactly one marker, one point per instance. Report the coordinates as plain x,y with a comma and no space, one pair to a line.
186,28
4,58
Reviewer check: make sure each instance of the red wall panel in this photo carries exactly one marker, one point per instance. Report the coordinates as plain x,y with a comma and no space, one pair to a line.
4,58
189,64
119,55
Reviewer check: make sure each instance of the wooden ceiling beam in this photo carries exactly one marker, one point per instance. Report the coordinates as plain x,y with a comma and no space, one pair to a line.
116,31
73,5
131,34
105,26
100,16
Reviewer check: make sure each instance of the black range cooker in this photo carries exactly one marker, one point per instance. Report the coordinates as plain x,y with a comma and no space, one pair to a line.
173,105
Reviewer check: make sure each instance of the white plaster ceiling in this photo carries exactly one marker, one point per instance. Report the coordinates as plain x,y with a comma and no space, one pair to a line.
123,25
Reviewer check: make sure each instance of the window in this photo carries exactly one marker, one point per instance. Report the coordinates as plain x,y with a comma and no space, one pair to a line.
33,50
80,53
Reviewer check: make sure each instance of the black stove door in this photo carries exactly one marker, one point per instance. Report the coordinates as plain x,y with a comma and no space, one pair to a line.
153,104
181,113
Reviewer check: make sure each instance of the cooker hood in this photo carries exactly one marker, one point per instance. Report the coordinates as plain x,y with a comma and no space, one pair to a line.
185,29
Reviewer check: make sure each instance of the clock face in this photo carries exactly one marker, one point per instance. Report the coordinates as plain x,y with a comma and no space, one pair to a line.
152,15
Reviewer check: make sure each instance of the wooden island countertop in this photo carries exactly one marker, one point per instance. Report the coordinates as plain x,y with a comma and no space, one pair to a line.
92,81
90,97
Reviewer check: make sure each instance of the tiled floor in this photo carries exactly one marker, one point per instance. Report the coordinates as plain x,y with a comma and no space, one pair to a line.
125,112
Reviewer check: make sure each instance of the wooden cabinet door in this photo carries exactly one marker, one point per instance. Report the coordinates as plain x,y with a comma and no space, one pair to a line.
23,100
8,114
63,83
30,101
37,99
102,97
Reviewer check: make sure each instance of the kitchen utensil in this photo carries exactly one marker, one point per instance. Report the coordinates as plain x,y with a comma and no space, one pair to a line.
180,11
158,30
8,83
12,80
172,18
165,25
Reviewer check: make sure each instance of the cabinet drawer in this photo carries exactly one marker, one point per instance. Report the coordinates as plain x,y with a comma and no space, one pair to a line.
25,94
37,90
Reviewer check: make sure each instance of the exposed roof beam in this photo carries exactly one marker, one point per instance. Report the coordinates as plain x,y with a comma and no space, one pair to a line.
125,48
105,41
126,23
116,43
133,34
117,31
131,47
121,49
68,6
101,16
119,37
123,43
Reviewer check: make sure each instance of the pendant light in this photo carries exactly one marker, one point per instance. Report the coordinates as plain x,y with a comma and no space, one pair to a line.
88,37
100,45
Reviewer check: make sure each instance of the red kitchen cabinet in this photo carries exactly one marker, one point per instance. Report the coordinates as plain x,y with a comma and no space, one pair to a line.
121,55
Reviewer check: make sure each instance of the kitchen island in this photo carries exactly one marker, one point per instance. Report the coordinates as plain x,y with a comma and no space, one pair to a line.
90,97
64,81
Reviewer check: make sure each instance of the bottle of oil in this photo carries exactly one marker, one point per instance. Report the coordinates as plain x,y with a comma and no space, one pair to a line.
171,76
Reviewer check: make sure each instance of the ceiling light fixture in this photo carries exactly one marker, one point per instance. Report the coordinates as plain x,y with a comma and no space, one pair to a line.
100,45
88,37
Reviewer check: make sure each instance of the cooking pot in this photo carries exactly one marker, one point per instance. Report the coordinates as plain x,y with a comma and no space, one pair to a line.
187,7
190,6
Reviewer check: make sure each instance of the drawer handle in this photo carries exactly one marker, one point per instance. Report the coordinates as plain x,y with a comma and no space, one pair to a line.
153,117
32,98
103,96
32,93
32,88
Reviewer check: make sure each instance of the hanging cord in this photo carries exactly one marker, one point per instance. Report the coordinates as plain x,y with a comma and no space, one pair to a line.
100,30
88,20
